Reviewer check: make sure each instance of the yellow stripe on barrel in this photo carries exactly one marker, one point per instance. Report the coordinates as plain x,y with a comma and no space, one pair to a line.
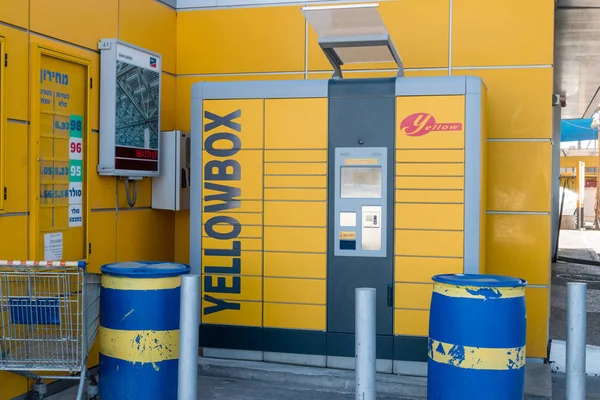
480,358
140,346
121,283
477,292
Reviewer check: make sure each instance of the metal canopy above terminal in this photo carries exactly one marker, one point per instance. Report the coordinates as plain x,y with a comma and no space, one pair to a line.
352,34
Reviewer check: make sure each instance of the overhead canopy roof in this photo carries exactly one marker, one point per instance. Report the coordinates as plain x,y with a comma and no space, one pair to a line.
577,56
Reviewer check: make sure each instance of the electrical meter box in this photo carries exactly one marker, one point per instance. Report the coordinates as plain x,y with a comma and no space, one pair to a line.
130,93
171,189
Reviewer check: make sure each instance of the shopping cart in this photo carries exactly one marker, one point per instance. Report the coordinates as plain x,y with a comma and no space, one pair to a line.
49,317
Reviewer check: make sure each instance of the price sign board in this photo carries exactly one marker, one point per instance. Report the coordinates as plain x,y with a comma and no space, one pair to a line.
61,109
130,94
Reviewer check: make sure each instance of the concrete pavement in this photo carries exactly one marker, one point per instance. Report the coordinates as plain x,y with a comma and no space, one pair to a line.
210,388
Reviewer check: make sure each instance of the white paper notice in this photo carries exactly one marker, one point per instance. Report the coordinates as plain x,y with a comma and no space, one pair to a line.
53,246
347,219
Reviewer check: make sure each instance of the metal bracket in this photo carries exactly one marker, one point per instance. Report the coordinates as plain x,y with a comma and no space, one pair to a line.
329,44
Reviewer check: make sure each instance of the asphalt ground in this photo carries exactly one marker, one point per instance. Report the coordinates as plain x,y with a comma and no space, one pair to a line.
583,245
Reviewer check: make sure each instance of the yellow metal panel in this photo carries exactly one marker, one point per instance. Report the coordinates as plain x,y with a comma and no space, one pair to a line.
246,244
409,22
222,286
308,182
248,314
15,12
537,322
430,216
456,169
150,25
103,190
11,385
250,262
517,100
479,39
247,206
411,322
412,295
246,231
288,213
429,243
286,290
167,105
429,196
421,269
102,239
295,265
288,125
144,235
182,237
14,241
184,90
16,164
518,177
242,218
251,121
295,169
256,39
295,316
391,73
250,170
519,245
427,182
295,156
444,156
308,240
296,194
81,22
16,78
143,197
430,122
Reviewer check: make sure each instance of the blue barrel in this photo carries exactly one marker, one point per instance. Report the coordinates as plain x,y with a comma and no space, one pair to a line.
139,330
477,328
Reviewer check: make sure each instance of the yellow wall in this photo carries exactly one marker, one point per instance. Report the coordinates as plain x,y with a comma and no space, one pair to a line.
74,26
270,43
573,162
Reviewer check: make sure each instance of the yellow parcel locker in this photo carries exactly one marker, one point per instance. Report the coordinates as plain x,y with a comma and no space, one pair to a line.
365,183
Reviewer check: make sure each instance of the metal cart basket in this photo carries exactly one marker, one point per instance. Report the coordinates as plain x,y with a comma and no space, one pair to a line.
49,317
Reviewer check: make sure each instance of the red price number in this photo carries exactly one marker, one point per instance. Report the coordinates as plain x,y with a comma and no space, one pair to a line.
147,154
75,147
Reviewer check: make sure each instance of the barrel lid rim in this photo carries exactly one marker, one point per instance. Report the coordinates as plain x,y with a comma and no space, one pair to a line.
483,280
145,269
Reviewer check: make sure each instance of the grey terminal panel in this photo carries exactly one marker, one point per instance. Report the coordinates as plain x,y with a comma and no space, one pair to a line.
360,202
362,115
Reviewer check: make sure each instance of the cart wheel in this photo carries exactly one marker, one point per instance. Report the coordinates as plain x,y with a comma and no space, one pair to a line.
39,390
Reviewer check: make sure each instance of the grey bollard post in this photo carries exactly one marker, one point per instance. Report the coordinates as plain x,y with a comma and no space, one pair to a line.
365,344
187,387
576,340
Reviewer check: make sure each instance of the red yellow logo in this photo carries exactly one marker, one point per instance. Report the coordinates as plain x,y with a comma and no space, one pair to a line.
420,124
